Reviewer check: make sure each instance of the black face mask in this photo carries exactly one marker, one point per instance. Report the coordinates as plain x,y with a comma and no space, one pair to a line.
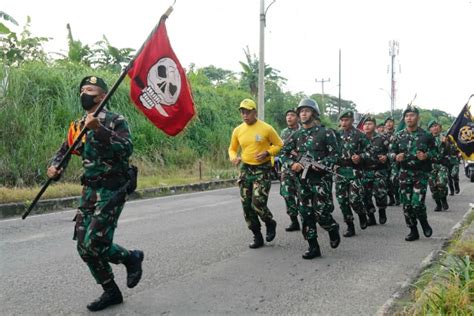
87,101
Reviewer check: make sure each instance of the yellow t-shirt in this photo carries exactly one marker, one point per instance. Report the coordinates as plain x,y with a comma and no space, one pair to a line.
254,139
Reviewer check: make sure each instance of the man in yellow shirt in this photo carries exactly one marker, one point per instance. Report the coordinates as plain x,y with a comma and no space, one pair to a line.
258,141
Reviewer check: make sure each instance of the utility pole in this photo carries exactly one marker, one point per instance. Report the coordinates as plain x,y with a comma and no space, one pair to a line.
339,101
261,61
322,88
393,52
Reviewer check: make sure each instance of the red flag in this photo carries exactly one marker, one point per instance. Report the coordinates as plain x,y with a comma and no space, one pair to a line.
159,87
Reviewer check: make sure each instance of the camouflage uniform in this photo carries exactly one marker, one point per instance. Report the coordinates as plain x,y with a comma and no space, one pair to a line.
439,175
288,179
393,187
414,173
453,169
375,174
315,191
349,189
105,155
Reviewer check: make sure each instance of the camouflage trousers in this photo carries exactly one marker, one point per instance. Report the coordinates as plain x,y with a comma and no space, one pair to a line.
349,193
453,173
288,185
375,185
316,205
94,232
438,182
393,186
413,186
255,183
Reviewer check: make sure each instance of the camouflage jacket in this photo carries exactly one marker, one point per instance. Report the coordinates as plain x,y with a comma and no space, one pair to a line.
285,135
105,152
379,145
453,156
318,141
353,142
442,157
409,143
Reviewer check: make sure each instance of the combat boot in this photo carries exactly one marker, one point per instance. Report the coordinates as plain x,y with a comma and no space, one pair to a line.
134,267
313,250
427,231
362,220
371,221
271,229
111,296
382,216
438,207
257,238
444,203
350,229
294,226
456,186
334,237
397,200
413,235
391,200
451,188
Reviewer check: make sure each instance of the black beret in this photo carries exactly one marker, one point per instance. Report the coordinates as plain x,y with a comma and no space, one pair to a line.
94,81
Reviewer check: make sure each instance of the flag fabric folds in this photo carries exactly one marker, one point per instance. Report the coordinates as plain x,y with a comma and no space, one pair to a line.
158,84
461,133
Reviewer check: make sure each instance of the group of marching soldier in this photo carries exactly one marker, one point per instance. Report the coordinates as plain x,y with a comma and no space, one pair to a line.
375,163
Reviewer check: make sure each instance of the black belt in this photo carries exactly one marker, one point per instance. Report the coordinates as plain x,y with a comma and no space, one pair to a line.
107,181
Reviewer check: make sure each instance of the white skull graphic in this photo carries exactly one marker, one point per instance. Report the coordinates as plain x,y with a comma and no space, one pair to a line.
164,85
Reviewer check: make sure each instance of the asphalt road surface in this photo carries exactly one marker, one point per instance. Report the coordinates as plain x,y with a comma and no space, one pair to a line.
197,261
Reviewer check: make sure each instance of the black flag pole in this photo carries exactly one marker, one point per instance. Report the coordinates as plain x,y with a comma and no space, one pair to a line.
97,111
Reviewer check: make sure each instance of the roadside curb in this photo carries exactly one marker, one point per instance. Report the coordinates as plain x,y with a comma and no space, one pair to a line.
390,304
53,205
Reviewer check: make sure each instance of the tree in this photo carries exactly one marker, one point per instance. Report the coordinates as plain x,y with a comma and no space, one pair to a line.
77,52
217,75
249,75
107,57
5,17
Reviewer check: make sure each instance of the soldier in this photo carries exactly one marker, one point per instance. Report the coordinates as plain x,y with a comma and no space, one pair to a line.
375,173
288,177
354,149
258,141
380,129
105,152
453,169
314,194
413,148
392,174
438,180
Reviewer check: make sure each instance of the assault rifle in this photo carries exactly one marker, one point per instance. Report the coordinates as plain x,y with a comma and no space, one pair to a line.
308,162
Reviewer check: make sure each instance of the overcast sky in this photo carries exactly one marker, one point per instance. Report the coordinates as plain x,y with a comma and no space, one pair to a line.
302,38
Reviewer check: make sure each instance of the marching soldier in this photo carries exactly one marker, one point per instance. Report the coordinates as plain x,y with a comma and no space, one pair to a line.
453,169
380,128
315,191
439,175
413,149
375,173
393,188
354,149
105,152
258,141
288,177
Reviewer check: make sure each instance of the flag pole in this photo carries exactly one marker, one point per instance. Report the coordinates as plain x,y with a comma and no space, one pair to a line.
101,106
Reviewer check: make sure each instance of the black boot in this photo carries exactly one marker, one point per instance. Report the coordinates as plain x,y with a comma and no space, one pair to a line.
334,237
391,200
413,235
134,267
294,226
451,188
257,238
271,230
382,216
397,200
456,186
427,231
362,220
438,207
371,221
313,250
444,203
111,296
350,229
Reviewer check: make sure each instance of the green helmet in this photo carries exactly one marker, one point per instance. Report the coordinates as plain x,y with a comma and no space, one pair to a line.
309,103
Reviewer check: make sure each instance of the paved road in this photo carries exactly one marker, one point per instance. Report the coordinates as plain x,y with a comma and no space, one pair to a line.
197,261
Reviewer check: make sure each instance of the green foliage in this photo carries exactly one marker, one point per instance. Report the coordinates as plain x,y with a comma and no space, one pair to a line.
107,57
5,17
15,50
77,52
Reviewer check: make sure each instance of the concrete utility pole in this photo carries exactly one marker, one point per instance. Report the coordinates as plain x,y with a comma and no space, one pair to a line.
322,88
261,61
339,100
393,52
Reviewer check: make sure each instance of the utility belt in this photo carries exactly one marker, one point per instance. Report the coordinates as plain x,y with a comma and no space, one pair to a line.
375,167
107,181
266,165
